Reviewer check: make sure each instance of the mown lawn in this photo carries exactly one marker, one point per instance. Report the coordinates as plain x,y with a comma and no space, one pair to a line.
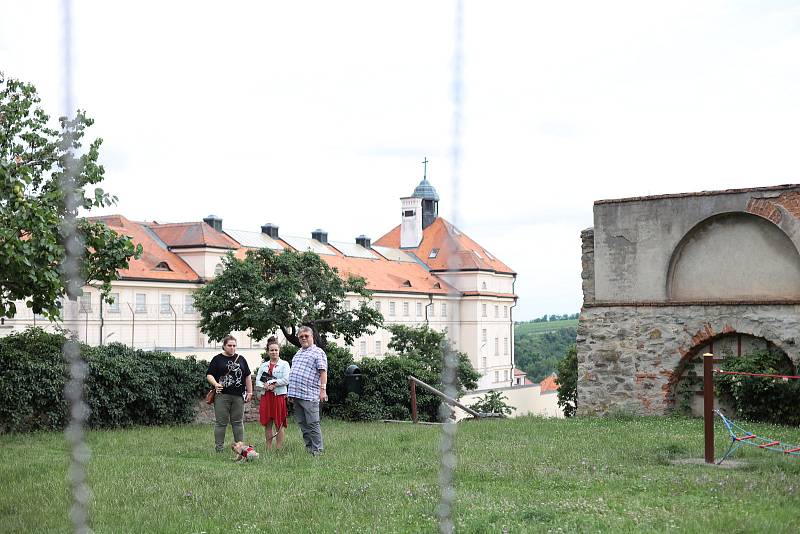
519,475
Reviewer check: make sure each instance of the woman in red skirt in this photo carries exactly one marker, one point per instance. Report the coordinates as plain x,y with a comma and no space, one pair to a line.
273,377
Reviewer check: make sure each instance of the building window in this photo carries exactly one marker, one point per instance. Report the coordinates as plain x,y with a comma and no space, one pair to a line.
483,310
505,345
362,349
405,309
377,306
141,303
165,304
497,376
497,346
484,362
85,301
392,309
433,254
378,351
218,269
444,309
113,307
496,311
483,335
483,285
433,310
346,304
419,309
188,304
505,312
505,375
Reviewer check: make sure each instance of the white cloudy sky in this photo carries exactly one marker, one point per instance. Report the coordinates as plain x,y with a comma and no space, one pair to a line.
318,113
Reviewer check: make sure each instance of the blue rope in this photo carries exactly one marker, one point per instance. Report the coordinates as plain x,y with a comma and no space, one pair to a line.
740,436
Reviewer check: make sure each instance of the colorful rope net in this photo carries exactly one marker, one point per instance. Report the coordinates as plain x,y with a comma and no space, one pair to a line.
740,436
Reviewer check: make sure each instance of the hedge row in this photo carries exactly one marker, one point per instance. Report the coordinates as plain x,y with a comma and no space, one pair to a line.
123,386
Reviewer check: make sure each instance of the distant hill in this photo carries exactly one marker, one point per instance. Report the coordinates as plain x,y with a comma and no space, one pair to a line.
540,345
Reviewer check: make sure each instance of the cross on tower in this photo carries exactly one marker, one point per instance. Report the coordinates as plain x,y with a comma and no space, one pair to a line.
425,174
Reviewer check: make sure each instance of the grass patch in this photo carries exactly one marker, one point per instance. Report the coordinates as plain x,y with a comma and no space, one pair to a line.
547,326
522,475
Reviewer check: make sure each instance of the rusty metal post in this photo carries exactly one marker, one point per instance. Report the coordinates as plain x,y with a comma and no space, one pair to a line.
413,400
708,405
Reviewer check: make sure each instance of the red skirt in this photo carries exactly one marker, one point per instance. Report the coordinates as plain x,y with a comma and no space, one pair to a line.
272,408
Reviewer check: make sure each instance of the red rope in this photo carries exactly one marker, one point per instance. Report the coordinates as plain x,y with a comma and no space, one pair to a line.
752,374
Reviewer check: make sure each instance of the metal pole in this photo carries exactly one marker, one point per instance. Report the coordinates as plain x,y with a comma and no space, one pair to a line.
413,400
447,398
708,406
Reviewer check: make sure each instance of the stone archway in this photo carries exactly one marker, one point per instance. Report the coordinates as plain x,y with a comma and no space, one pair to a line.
686,391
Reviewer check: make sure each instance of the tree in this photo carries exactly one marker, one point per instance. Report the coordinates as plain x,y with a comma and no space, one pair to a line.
267,291
493,402
427,346
34,158
567,381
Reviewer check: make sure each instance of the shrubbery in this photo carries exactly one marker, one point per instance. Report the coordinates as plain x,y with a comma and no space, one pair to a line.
761,398
123,386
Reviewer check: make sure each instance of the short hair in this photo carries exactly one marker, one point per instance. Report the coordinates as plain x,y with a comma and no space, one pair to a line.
306,329
226,339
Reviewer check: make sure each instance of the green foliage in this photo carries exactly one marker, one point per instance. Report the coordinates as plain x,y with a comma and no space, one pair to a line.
493,402
761,398
538,347
268,291
123,386
34,158
385,389
339,359
552,317
567,381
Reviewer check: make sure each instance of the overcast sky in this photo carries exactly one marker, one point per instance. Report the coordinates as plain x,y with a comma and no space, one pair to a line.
319,113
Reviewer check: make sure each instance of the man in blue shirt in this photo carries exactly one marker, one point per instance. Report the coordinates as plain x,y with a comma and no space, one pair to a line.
308,382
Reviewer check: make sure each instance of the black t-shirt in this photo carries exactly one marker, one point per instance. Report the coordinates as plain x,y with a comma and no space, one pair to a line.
233,382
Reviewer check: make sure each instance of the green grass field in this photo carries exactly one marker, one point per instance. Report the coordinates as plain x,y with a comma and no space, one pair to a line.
518,475
523,329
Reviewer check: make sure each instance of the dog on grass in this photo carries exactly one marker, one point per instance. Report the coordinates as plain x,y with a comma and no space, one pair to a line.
244,453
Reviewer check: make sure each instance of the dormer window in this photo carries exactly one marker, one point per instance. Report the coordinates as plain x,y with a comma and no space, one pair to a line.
162,266
437,285
433,254
407,283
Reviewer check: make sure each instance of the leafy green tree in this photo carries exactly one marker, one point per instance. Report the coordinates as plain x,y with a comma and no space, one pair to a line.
427,346
268,291
34,158
568,382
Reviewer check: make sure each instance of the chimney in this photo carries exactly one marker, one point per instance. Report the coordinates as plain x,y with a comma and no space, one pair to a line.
271,230
320,235
364,241
214,222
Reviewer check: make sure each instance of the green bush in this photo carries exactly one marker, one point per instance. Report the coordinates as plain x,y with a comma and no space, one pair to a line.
493,402
339,359
123,386
763,399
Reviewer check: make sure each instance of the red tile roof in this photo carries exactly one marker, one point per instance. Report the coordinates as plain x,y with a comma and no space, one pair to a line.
153,253
548,384
192,234
456,251
391,276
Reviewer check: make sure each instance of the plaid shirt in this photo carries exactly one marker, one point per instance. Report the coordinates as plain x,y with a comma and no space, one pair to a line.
304,377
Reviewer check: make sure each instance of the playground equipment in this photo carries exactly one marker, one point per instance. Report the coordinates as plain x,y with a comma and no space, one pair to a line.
739,436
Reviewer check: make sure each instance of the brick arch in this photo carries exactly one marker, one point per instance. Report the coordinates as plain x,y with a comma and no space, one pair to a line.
709,335
709,262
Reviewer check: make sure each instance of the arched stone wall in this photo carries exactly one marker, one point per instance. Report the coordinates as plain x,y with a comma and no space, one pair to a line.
734,256
628,355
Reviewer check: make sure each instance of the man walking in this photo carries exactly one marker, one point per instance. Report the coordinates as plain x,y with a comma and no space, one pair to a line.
307,388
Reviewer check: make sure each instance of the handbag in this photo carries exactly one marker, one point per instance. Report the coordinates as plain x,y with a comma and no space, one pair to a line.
211,395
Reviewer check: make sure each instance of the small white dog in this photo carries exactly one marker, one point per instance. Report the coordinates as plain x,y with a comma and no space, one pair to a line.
244,453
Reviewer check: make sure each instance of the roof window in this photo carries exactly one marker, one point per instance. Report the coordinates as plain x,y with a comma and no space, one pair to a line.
433,254
407,283
489,256
437,285
162,266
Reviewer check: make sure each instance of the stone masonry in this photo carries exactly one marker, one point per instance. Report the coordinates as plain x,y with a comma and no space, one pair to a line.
664,277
